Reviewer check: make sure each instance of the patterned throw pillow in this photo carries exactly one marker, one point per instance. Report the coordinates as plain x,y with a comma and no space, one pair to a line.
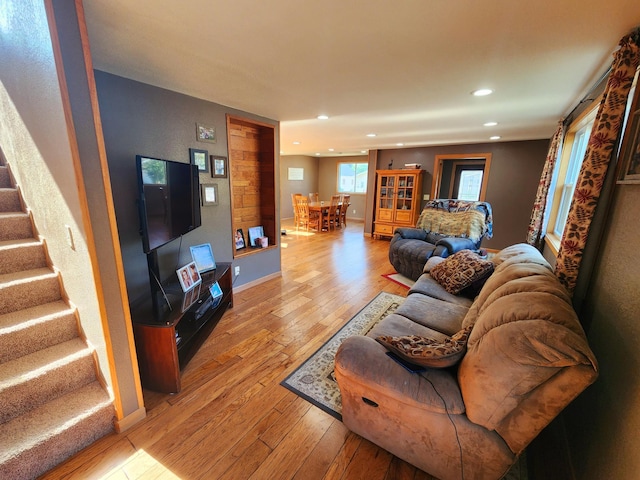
428,352
460,270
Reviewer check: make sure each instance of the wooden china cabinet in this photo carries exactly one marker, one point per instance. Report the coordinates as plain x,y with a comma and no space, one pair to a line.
398,200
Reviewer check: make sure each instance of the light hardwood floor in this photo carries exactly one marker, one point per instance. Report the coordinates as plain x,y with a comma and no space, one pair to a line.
232,419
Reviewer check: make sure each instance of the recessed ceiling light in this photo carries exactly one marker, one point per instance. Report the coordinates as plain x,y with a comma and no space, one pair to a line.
317,154
491,124
363,151
399,144
495,137
296,143
371,134
331,149
323,117
482,92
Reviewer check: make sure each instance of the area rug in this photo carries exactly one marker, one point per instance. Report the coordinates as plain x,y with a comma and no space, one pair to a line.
314,380
399,279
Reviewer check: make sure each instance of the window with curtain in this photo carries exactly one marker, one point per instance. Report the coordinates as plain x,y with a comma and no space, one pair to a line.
352,177
567,170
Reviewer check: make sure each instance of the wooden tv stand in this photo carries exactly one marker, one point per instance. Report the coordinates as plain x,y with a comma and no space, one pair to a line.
166,339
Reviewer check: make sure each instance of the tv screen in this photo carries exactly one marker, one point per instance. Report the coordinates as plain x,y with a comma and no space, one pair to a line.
169,200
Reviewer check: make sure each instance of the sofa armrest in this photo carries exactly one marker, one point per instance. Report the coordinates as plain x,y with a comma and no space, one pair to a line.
411,233
361,361
455,244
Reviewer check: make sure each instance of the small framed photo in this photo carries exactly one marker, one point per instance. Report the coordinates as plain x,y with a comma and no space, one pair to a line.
188,276
205,134
202,256
199,158
209,194
254,234
216,294
239,239
631,151
218,166
190,298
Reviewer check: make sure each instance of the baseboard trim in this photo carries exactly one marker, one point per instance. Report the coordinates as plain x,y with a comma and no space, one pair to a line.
256,282
130,420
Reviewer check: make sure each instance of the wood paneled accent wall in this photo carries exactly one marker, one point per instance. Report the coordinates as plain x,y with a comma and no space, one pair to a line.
252,177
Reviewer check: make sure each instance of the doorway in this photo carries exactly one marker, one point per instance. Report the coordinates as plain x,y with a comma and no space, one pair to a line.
460,176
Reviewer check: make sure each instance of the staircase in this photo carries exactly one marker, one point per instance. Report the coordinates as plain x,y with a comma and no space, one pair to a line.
51,403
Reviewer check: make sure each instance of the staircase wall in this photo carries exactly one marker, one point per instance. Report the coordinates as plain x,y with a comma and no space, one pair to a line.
54,152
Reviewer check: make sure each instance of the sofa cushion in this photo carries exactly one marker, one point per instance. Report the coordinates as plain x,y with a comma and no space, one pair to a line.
461,270
432,262
427,351
439,315
426,285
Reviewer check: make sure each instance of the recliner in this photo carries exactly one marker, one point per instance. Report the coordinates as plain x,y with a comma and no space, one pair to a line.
444,227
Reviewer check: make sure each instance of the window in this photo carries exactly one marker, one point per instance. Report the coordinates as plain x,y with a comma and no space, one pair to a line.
578,149
568,167
352,177
469,183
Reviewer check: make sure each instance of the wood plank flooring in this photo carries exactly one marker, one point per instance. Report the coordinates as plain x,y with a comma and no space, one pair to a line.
232,419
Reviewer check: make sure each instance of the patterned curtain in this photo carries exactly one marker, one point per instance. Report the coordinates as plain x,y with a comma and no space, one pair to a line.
538,223
600,150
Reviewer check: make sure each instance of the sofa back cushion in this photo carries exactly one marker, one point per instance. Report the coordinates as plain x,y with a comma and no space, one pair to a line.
527,356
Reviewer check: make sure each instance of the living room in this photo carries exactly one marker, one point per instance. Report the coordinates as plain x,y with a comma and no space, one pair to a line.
600,424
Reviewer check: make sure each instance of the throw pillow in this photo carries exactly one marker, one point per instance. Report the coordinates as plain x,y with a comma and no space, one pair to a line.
428,352
460,270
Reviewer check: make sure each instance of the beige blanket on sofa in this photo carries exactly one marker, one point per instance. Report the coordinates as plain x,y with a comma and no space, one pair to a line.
469,224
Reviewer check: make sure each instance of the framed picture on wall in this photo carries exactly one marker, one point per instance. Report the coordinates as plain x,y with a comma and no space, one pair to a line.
631,151
199,158
209,194
218,166
205,134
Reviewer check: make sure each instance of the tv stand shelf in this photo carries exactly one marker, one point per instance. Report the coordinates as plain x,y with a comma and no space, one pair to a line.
166,339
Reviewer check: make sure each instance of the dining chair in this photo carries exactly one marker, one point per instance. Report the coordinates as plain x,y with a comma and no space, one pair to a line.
314,197
344,206
330,214
295,210
306,219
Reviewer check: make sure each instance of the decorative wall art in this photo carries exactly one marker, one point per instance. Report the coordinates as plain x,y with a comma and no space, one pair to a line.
199,158
205,134
209,194
218,166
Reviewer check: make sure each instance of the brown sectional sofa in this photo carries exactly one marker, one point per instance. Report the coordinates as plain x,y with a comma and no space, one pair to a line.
527,358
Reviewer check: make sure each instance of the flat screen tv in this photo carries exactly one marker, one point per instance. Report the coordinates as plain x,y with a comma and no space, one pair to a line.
169,200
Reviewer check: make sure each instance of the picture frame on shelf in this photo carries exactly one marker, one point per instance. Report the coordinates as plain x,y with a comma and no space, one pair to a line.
202,255
205,134
254,234
238,239
216,294
209,194
218,166
631,152
188,276
199,157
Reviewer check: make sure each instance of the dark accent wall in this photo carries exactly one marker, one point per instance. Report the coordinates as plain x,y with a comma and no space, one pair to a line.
513,180
140,119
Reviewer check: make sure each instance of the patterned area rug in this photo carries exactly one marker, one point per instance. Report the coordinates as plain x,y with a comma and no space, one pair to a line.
314,380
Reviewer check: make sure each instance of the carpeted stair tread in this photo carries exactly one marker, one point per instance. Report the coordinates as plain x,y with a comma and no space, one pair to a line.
39,377
15,225
35,442
21,254
21,290
10,200
26,331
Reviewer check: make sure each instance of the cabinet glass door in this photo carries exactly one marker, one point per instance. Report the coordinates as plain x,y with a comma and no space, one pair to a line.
404,201
385,198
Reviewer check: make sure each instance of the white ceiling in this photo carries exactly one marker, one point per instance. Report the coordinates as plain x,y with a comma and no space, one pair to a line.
401,69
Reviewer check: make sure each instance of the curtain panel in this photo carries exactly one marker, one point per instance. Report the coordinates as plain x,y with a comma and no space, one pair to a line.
539,218
600,150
